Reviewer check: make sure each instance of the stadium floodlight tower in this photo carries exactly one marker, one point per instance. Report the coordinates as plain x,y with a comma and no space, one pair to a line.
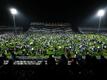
100,14
14,12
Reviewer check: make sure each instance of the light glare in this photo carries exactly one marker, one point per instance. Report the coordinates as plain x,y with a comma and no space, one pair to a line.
101,13
13,11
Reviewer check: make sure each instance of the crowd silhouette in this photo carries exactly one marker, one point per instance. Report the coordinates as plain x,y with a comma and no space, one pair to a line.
88,68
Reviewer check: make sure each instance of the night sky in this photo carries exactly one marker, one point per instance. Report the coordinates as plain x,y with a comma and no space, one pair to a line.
60,11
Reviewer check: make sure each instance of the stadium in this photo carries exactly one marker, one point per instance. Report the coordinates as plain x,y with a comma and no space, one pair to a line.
53,41
41,40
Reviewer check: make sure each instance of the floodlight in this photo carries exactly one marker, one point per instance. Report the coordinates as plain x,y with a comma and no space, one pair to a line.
13,11
101,13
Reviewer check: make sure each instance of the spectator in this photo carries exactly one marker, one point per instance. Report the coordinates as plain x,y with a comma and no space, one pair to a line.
63,60
103,60
13,56
1,60
51,61
10,62
43,63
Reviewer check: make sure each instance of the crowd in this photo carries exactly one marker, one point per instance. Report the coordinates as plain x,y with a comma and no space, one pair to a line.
44,44
57,50
89,68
